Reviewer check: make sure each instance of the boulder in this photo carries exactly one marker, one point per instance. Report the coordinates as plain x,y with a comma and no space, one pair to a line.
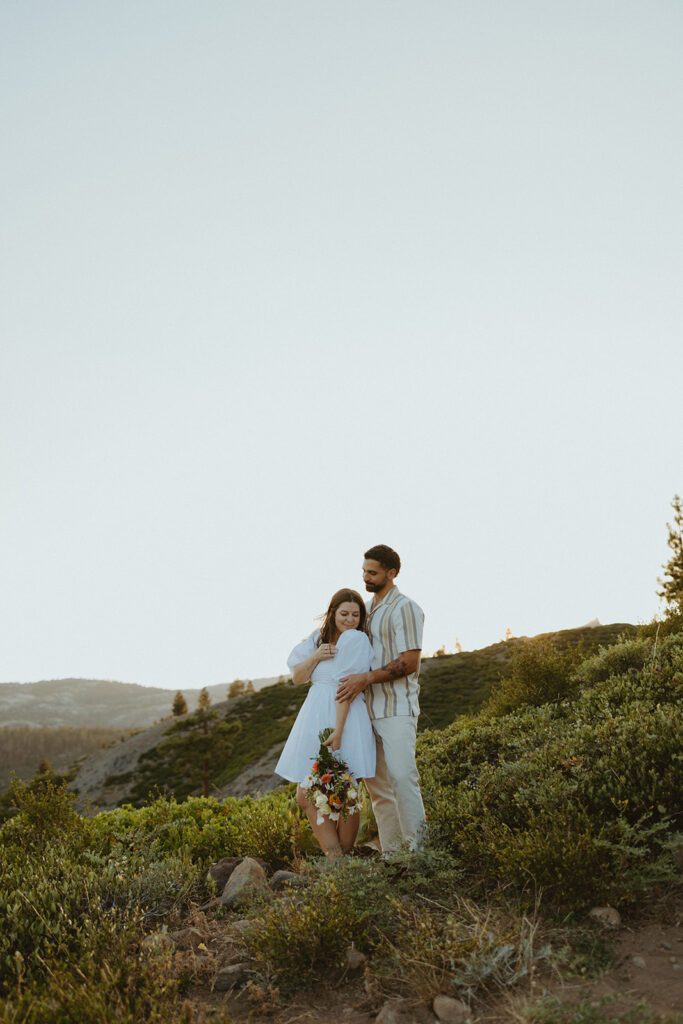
451,1011
354,958
220,872
187,938
606,916
247,879
229,977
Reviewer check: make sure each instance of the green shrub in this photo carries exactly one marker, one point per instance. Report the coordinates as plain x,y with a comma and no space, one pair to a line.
355,901
305,933
267,827
102,976
577,797
538,672
45,810
198,827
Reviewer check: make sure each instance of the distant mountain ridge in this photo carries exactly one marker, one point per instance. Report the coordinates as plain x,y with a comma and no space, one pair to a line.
104,702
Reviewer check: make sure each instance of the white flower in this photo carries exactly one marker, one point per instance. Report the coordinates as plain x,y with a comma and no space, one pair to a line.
351,794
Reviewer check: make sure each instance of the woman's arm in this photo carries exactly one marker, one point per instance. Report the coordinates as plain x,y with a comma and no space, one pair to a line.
302,672
334,739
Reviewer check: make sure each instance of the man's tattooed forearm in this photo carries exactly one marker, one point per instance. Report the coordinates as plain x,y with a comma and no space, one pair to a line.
396,668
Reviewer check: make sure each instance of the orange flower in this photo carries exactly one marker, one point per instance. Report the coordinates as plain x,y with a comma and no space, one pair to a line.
315,767
326,777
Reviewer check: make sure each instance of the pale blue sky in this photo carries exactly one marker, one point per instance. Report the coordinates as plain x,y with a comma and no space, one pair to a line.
282,281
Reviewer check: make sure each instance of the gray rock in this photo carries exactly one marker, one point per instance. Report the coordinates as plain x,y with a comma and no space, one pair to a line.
284,879
247,879
638,961
664,944
355,958
451,1011
229,977
187,938
220,872
608,917
396,1011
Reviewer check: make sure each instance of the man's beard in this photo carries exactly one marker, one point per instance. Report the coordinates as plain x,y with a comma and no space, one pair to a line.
373,587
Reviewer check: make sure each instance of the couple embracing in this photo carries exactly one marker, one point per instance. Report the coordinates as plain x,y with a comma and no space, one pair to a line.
363,663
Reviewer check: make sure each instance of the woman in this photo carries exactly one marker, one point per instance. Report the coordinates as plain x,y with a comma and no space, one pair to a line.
339,648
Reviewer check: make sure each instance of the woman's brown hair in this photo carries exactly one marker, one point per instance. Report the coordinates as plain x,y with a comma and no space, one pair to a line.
328,629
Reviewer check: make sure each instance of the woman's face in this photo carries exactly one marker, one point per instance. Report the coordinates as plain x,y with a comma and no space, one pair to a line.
347,616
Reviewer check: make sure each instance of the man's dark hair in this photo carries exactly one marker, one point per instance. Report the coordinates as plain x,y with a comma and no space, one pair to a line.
386,557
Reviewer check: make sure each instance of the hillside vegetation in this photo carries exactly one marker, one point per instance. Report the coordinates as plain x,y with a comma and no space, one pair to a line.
451,686
562,791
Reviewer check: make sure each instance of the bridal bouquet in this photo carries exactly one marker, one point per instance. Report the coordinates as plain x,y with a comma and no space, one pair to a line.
331,787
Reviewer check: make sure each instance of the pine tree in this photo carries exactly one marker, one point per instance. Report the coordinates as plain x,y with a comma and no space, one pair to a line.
236,688
249,687
204,698
198,741
672,584
44,767
179,705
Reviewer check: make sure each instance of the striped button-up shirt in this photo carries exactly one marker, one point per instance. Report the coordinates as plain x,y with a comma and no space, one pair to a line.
395,625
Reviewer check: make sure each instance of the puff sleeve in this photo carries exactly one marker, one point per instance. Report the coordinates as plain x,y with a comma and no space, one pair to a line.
303,650
354,654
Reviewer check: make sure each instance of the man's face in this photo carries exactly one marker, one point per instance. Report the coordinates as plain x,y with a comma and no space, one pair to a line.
374,576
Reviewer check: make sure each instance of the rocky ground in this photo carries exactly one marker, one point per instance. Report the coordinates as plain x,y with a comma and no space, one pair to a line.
644,981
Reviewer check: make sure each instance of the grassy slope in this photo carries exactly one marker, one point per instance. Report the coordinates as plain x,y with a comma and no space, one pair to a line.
458,684
450,686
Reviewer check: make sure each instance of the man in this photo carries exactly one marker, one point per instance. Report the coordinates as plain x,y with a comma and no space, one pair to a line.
395,627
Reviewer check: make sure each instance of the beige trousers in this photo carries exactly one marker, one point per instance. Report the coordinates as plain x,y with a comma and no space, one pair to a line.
395,788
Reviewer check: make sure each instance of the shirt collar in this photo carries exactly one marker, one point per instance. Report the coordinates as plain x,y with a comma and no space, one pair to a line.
389,598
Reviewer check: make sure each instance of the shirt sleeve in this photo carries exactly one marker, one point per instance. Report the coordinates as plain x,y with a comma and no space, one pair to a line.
303,650
407,622
354,654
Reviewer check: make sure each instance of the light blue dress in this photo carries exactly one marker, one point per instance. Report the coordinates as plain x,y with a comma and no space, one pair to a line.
318,711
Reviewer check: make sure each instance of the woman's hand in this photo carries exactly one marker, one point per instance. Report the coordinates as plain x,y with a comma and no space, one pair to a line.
302,672
333,741
325,652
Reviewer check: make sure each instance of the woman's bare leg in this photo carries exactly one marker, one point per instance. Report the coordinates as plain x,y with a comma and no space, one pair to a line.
326,834
347,831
